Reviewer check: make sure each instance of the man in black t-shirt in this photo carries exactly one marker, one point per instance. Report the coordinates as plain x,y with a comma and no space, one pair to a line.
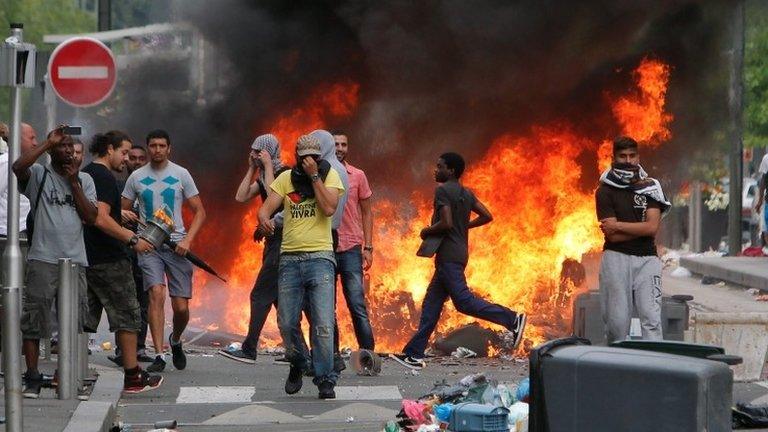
110,283
629,208
453,207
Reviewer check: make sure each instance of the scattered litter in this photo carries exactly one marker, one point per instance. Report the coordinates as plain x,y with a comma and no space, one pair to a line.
443,411
346,352
750,416
671,258
462,352
762,298
518,417
234,346
106,346
472,337
709,280
391,426
350,419
365,362
753,291
523,390
428,428
216,343
414,372
681,272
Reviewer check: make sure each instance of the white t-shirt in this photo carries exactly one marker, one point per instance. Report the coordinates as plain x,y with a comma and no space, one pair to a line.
23,201
763,166
151,189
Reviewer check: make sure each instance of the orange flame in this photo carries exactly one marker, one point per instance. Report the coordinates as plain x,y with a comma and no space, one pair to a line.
531,183
641,115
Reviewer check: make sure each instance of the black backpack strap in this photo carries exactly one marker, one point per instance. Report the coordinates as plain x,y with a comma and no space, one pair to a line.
37,199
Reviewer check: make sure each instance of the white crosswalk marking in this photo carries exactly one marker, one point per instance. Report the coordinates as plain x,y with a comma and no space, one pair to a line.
243,394
214,394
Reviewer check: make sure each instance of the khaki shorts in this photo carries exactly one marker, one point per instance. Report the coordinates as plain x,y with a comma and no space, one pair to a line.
111,288
42,284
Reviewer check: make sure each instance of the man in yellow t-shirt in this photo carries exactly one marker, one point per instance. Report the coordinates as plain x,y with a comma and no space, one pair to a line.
309,194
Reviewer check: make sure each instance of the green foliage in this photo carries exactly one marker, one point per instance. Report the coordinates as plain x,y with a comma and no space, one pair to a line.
131,13
40,17
756,75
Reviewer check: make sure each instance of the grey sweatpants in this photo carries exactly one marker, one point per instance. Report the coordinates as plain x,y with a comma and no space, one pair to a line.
627,281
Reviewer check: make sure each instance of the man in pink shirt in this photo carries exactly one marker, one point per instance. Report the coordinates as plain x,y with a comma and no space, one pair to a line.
354,253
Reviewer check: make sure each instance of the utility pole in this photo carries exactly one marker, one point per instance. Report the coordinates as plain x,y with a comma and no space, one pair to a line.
105,15
17,70
735,135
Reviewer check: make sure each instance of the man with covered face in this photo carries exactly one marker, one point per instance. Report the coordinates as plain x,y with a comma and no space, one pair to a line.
62,199
629,207
264,165
310,194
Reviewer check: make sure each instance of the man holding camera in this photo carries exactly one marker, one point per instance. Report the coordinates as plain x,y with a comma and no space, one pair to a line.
62,199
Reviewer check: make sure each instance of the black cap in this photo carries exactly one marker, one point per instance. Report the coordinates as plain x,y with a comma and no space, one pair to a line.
17,25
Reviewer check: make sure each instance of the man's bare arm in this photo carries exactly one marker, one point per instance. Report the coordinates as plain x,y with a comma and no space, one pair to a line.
484,215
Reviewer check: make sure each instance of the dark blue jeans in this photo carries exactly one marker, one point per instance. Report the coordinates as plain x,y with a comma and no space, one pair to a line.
449,281
350,270
306,275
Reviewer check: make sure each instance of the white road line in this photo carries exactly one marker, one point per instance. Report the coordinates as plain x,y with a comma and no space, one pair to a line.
368,393
83,72
215,394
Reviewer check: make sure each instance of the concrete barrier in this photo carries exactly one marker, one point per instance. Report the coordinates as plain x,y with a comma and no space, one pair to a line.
744,334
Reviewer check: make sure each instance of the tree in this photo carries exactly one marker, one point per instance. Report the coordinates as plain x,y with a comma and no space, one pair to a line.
40,17
756,75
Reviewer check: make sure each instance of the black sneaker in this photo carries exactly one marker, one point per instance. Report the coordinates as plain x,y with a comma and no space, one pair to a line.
517,329
325,390
294,381
116,359
239,355
282,360
157,366
408,361
142,357
32,386
179,358
141,382
338,363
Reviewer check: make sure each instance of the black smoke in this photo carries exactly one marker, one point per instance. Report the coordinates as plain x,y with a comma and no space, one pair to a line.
433,75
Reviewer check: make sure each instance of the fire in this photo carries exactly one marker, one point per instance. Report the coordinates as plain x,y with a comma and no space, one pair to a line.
162,216
641,115
532,184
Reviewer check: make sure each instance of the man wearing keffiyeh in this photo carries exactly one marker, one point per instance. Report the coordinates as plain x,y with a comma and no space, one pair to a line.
630,205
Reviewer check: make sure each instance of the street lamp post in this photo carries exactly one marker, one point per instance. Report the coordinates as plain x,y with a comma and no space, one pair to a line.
17,71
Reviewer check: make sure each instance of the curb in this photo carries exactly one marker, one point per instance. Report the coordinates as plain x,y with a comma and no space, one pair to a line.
98,413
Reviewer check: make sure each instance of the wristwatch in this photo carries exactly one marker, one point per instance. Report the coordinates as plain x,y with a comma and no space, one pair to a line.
368,248
132,242
315,177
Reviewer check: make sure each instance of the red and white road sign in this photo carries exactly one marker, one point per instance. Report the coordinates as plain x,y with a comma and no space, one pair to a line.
82,71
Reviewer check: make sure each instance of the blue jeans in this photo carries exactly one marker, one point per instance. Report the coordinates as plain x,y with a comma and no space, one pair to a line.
312,276
449,281
350,269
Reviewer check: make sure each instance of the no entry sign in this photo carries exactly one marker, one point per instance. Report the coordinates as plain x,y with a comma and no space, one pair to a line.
82,71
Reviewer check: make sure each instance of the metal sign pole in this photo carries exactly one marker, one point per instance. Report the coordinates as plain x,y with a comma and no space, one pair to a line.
66,342
17,70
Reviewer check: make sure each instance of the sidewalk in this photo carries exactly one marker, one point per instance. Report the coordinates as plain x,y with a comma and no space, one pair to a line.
724,297
48,413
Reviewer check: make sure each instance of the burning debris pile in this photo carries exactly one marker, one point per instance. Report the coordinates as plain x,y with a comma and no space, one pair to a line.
543,218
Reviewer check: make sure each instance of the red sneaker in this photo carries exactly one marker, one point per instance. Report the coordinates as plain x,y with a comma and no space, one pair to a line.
141,382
